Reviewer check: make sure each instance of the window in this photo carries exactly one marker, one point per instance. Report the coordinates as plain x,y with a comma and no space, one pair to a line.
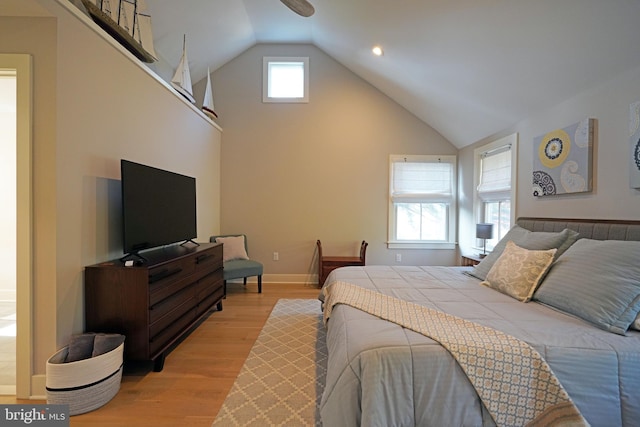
495,186
422,202
285,79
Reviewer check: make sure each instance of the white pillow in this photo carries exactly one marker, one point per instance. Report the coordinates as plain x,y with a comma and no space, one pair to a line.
519,271
233,248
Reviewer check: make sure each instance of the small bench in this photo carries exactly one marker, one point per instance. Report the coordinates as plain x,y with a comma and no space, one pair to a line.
328,263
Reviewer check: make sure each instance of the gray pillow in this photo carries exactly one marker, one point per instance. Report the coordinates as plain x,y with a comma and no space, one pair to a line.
80,347
105,343
598,281
533,240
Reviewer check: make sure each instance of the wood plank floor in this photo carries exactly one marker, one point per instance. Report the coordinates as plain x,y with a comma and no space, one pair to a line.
199,372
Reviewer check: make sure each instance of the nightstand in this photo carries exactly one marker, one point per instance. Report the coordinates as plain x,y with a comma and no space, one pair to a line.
470,260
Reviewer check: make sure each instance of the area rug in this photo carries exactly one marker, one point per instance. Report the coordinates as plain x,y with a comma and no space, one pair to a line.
282,380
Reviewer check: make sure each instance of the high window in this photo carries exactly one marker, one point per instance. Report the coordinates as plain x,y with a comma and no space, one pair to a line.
495,166
422,201
285,79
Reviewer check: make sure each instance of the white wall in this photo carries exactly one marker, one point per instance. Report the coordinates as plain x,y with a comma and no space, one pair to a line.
295,173
93,105
612,196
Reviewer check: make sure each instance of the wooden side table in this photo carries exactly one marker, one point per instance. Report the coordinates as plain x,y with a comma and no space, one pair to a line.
470,260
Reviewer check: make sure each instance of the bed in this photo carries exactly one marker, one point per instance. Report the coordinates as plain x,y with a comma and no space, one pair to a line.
580,314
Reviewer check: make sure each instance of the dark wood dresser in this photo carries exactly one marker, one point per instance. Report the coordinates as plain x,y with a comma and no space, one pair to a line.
157,302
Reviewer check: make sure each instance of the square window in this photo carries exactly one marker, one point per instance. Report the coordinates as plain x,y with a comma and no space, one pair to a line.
285,80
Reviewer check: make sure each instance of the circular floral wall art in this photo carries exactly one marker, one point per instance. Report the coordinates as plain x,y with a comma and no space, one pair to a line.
562,160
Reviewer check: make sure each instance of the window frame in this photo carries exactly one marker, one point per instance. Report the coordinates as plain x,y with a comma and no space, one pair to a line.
479,205
451,201
266,76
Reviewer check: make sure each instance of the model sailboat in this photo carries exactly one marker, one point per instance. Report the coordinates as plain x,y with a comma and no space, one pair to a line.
181,80
207,104
126,21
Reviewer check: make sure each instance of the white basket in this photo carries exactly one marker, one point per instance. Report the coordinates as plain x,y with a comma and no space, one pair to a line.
84,385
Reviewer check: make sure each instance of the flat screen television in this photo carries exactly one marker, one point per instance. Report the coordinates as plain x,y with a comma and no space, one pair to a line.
158,207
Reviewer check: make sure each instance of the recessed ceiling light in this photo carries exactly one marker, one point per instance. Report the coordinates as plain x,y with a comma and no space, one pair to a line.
377,50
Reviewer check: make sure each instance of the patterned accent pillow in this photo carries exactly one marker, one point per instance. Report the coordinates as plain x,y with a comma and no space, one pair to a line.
598,281
636,323
535,240
519,271
233,248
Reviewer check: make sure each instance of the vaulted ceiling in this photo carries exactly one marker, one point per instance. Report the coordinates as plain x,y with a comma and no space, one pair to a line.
468,68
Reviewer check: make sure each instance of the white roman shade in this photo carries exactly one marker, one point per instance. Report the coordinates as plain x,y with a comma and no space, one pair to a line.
430,181
495,174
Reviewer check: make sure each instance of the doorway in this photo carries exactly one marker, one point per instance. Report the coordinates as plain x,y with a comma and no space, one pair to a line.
8,281
15,225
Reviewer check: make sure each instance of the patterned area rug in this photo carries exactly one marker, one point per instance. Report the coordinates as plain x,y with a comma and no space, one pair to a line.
282,380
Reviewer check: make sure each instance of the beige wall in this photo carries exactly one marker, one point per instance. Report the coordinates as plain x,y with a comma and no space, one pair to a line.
612,196
37,36
295,173
94,105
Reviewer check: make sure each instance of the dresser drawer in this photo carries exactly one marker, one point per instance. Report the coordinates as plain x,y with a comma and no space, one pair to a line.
158,310
165,289
209,284
210,259
171,271
166,336
206,303
176,311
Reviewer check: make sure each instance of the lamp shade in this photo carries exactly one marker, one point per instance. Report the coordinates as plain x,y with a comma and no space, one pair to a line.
484,231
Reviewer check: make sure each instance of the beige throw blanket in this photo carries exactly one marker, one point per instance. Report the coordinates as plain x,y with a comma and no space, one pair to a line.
514,382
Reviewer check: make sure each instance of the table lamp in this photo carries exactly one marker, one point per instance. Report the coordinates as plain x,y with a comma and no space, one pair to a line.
484,232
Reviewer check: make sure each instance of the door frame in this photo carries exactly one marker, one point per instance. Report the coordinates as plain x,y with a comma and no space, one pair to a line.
22,64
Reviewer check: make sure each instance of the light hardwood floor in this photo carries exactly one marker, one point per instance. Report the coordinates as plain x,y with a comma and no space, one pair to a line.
199,372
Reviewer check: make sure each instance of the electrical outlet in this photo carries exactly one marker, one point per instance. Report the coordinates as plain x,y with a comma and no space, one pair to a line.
398,257
276,256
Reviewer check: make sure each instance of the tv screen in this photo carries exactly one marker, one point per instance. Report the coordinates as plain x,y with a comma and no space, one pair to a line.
158,207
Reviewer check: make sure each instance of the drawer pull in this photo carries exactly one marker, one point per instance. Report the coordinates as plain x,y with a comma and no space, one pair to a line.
201,258
163,274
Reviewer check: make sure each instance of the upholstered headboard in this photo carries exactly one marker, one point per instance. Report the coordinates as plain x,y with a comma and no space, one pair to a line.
598,229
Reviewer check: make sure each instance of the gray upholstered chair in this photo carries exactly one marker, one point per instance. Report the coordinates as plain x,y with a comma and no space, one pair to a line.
239,268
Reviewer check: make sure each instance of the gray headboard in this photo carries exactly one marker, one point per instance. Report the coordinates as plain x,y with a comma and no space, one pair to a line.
599,229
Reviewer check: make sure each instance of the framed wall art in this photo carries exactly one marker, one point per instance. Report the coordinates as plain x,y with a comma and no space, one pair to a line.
634,140
563,159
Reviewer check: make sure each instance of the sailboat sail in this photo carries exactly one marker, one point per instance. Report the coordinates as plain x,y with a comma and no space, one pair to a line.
142,31
181,80
127,15
128,22
207,104
106,8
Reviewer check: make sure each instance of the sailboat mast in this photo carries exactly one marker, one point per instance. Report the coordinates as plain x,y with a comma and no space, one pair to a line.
135,18
181,80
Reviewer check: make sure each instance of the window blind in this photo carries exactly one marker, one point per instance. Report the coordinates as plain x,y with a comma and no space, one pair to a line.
495,174
421,180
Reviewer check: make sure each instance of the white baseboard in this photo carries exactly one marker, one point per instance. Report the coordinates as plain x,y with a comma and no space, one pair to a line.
7,390
282,278
38,387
